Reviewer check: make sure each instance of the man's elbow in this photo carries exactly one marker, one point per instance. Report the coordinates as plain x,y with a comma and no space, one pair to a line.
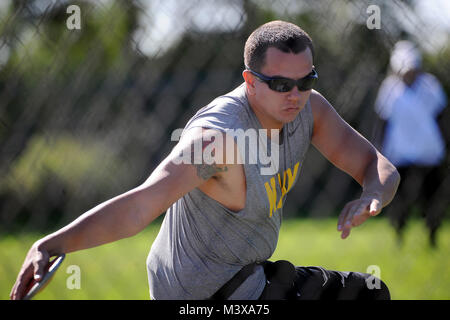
385,165
396,177
392,181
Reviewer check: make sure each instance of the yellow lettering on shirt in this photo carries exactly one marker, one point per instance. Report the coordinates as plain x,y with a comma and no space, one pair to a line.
271,194
271,189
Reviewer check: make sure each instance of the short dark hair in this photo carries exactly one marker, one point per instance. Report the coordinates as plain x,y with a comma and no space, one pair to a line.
282,35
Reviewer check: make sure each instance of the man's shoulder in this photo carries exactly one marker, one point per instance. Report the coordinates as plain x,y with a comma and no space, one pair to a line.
318,102
229,103
224,112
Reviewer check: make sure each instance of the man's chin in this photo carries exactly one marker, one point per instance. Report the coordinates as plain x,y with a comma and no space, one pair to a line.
290,117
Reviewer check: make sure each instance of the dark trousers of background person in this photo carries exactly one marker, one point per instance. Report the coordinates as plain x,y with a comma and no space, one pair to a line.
425,189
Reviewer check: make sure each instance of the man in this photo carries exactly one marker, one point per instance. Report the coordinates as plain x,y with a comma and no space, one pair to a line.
409,101
224,216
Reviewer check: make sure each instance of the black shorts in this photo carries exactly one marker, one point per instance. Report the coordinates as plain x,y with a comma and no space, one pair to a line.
316,283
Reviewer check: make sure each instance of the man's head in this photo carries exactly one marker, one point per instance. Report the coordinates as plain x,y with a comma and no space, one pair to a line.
282,35
277,49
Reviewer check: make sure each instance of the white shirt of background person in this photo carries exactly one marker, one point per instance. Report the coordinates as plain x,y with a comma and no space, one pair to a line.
412,134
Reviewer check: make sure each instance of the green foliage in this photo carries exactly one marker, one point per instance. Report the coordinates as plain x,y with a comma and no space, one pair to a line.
73,162
54,173
47,47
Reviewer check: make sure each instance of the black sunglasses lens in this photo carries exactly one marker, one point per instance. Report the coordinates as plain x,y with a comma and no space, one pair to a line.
281,85
307,84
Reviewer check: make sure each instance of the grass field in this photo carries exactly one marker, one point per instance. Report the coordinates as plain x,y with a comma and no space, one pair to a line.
117,270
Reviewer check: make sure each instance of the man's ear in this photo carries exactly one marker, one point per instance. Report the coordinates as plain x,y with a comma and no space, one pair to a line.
249,81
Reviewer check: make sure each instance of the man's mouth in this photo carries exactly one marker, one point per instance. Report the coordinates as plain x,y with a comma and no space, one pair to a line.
292,109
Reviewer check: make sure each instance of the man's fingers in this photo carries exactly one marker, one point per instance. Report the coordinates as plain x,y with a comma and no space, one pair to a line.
354,218
346,230
357,212
20,286
12,294
34,266
343,216
360,215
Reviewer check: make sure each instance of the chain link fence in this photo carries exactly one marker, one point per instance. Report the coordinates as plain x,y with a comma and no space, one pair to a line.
90,91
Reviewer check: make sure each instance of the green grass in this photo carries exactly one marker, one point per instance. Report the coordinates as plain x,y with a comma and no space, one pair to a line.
118,271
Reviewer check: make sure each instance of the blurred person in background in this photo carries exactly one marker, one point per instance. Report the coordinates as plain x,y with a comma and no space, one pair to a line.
409,102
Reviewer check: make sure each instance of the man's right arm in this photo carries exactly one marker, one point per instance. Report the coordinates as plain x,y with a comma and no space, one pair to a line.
122,216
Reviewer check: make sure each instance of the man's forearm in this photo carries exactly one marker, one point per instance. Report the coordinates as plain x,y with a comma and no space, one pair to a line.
381,180
112,220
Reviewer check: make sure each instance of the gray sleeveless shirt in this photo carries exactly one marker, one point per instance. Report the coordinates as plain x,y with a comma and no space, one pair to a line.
201,243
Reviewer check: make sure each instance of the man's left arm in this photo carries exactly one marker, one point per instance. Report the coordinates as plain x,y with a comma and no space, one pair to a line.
352,153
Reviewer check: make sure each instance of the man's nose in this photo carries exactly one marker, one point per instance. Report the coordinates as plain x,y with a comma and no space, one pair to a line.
294,94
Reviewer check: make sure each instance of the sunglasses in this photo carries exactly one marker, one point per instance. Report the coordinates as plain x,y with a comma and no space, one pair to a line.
281,84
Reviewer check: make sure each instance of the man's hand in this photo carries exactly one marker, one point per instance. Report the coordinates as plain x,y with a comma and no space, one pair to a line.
356,212
33,267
